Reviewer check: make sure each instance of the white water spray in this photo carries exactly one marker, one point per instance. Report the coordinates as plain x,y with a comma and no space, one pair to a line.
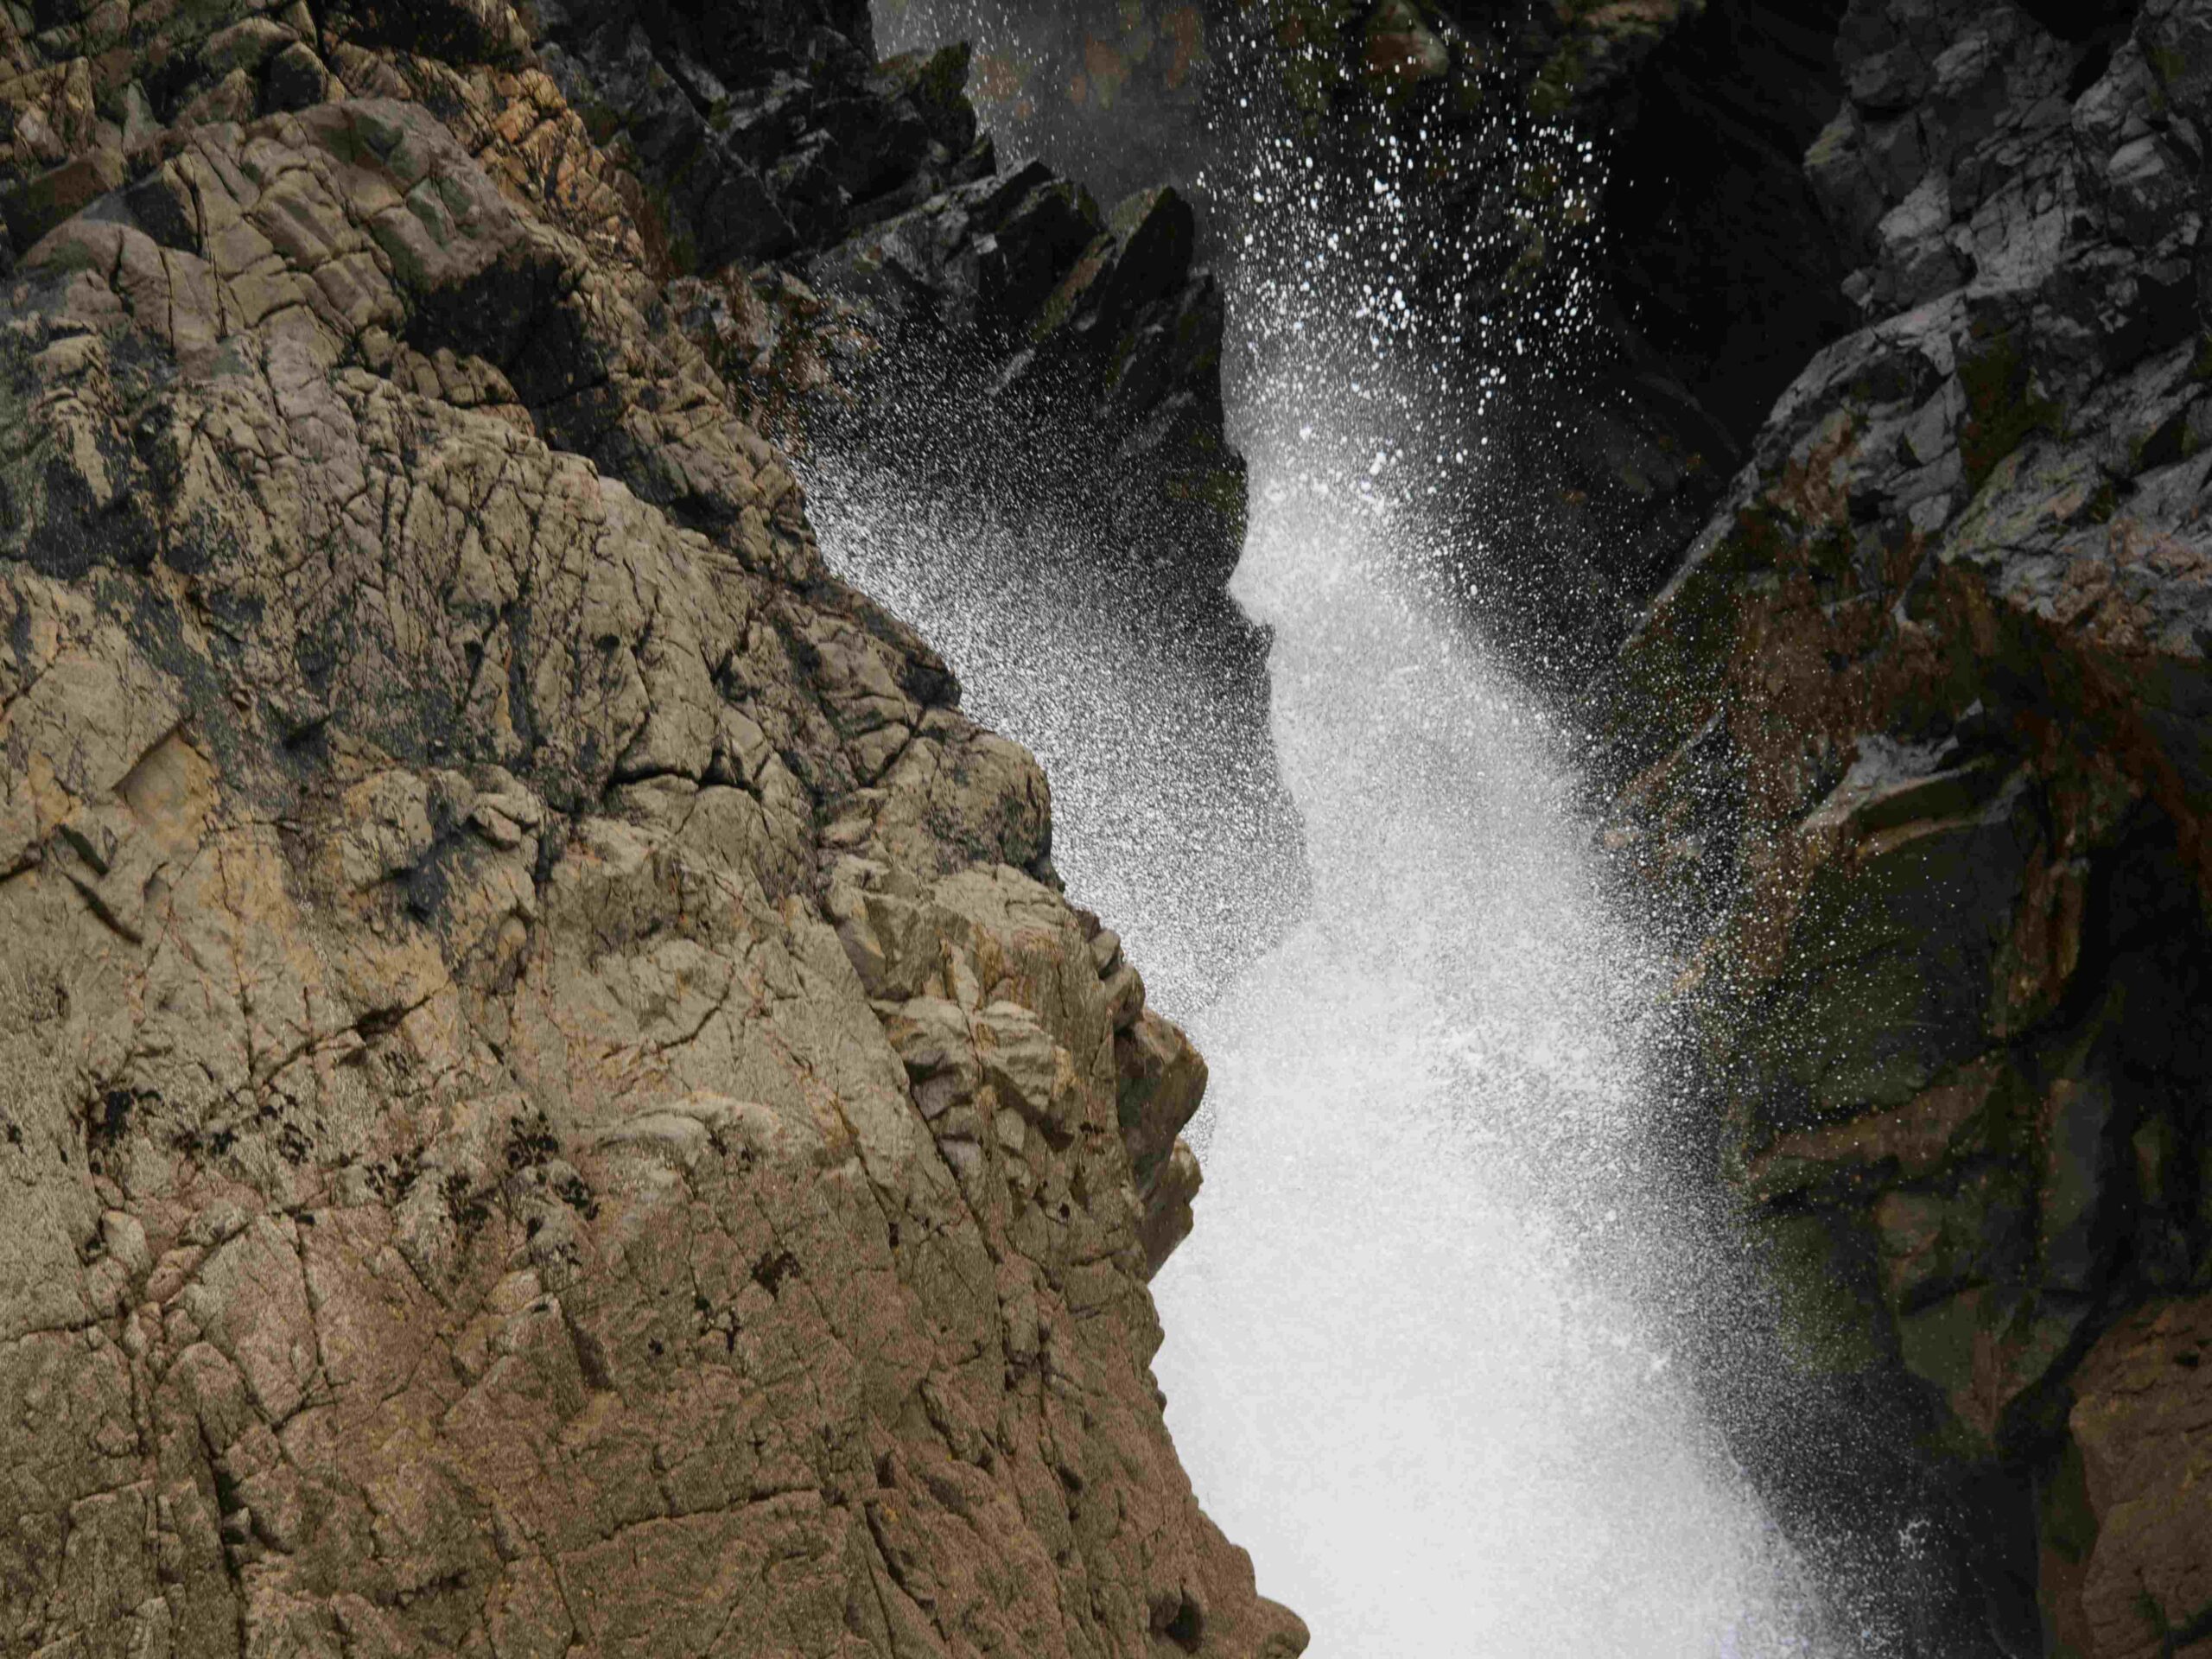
1418,1359
1413,1360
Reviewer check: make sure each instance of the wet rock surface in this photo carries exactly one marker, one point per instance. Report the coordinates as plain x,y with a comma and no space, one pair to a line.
1928,787
549,1100
1888,460
909,279
1615,193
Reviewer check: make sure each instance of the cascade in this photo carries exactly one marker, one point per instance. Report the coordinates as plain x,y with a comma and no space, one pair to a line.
1423,1355
1415,1356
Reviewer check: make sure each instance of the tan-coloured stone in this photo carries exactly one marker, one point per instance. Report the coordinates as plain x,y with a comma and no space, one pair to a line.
549,1100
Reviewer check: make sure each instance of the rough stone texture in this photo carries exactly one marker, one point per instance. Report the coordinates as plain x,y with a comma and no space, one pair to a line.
2130,1506
549,1100
1918,756
762,130
912,271
1115,90
987,341
1093,347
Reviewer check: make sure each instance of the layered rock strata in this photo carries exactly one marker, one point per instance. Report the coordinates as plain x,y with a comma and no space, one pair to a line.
549,1101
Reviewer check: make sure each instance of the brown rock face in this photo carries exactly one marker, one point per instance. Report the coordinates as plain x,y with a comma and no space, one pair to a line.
2128,1560
549,1100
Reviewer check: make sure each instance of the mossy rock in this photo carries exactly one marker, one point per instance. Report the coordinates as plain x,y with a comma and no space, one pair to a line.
1820,1266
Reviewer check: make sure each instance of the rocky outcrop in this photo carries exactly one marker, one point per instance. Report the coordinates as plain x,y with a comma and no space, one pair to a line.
1928,782
758,130
906,272
2127,1516
918,323
549,1099
1116,91
1090,343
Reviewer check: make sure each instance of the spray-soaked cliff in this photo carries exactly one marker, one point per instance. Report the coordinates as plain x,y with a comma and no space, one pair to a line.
550,1099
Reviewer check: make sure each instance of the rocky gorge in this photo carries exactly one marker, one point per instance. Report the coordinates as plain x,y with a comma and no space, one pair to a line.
1911,741
1960,1039
553,1097
1871,563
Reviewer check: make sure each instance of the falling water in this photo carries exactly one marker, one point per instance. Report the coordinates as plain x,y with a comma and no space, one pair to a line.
1422,1357
1414,1358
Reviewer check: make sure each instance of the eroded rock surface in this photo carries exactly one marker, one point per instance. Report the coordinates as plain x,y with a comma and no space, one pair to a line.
549,1102
2132,1505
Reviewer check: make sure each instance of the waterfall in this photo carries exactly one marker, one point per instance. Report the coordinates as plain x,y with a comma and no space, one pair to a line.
1423,1355
1416,1356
